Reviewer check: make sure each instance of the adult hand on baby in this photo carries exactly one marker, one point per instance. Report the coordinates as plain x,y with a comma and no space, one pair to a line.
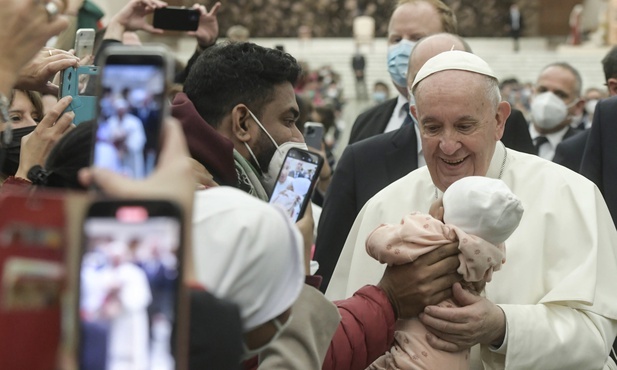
426,281
453,329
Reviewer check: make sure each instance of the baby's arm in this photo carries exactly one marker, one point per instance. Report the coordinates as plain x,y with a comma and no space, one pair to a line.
436,209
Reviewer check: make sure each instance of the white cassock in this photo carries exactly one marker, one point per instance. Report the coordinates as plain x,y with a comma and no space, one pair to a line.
132,127
128,334
557,287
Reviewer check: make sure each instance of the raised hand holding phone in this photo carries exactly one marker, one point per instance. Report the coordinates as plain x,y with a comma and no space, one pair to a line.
296,181
84,42
131,105
130,284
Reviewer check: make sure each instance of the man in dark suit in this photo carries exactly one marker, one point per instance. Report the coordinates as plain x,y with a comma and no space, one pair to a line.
599,162
410,21
557,99
569,152
370,165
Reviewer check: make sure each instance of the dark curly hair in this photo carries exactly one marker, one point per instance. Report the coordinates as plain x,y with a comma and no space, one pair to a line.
229,74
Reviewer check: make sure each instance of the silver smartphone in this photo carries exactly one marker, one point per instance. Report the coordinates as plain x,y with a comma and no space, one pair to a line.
84,42
132,102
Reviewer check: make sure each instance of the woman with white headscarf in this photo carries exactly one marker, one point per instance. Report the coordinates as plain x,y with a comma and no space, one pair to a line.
250,253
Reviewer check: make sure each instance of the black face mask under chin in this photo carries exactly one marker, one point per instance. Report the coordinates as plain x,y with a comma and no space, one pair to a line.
10,153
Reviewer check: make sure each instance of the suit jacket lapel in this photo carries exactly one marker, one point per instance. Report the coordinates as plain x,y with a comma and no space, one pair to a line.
404,145
384,117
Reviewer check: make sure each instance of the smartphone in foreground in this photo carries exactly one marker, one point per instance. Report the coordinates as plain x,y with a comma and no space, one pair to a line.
176,18
130,280
296,181
84,42
131,106
313,134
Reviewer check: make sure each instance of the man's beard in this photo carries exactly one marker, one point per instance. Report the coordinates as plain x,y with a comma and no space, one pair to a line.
264,151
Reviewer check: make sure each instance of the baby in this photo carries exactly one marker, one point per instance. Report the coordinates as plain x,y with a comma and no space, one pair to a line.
478,212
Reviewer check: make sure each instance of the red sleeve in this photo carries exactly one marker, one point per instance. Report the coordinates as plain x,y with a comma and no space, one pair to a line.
366,330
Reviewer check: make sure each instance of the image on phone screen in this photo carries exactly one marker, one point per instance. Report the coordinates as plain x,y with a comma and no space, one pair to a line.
129,286
130,112
293,188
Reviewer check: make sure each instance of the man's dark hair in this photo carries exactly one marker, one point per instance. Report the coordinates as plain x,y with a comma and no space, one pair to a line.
609,64
229,74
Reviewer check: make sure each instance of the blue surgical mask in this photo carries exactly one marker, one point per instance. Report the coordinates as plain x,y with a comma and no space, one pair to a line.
379,96
398,61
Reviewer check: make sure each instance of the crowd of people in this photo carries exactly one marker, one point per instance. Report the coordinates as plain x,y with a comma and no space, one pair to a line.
469,222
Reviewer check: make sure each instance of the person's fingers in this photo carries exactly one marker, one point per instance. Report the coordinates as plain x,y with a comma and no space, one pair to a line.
64,123
56,111
56,66
113,183
50,89
49,52
149,28
215,9
439,254
58,24
175,142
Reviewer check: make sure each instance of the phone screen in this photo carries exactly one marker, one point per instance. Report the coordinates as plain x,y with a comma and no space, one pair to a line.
131,103
294,186
130,278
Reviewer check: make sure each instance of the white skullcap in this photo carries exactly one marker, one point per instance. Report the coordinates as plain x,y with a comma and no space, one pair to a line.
453,59
248,252
483,207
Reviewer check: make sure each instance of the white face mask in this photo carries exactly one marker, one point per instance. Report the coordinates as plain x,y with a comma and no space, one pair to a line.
250,353
268,178
548,110
590,106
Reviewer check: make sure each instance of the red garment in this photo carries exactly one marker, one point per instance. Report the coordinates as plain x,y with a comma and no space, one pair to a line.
13,184
206,145
366,330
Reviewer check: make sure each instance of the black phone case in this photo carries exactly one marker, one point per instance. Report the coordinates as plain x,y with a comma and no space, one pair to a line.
305,157
176,19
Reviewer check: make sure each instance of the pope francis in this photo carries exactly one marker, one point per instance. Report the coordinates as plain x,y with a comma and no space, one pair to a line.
553,305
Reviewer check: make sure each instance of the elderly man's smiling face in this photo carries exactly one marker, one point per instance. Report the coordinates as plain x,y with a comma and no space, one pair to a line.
460,124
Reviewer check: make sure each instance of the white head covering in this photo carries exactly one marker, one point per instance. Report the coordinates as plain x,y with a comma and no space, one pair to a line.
453,60
248,252
482,206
